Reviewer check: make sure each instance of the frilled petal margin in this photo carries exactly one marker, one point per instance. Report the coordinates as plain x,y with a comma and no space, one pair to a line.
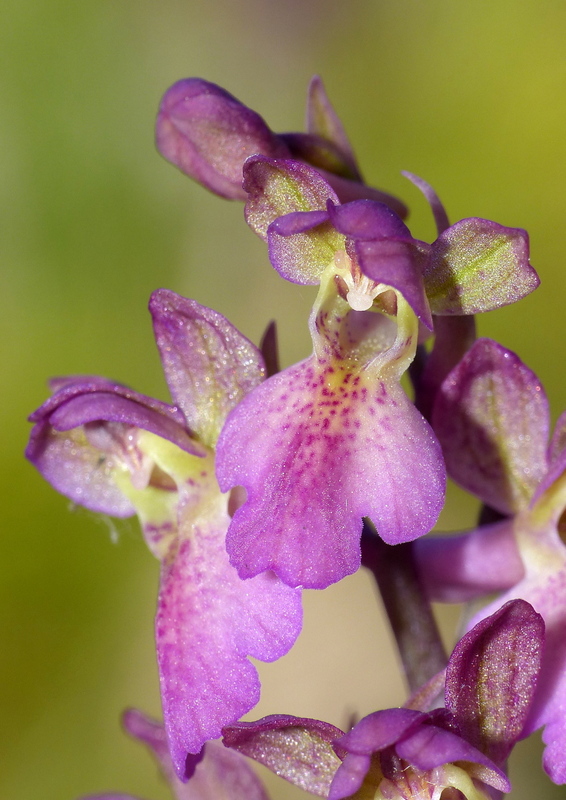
333,446
208,623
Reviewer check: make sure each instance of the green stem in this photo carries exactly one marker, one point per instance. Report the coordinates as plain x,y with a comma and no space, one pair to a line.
410,614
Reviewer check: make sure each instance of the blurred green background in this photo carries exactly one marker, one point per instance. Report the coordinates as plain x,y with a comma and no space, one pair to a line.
469,95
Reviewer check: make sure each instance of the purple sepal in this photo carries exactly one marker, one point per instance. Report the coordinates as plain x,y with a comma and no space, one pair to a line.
322,120
453,337
301,244
208,134
495,449
297,749
319,153
88,428
492,675
436,206
321,431
133,413
209,365
477,265
456,569
347,190
277,187
208,622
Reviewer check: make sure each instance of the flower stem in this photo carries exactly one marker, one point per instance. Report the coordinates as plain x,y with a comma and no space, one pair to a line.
410,614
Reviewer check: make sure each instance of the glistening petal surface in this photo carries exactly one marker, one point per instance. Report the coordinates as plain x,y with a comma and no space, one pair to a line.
477,265
208,623
297,749
208,363
208,134
491,417
332,447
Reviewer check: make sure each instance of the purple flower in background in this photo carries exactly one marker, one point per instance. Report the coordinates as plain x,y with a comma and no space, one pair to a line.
208,134
493,420
339,439
409,754
220,774
115,451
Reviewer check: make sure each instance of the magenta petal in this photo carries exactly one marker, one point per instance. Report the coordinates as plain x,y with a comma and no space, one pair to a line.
208,623
349,777
379,730
208,363
297,749
430,747
366,219
317,450
297,222
495,449
455,569
208,134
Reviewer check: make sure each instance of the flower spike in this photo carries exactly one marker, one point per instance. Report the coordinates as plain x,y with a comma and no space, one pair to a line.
115,451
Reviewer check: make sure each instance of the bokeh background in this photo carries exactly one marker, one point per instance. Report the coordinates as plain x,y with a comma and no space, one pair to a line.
470,95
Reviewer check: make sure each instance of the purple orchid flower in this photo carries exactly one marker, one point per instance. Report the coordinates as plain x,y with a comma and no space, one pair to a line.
498,449
118,452
220,774
339,439
411,754
208,134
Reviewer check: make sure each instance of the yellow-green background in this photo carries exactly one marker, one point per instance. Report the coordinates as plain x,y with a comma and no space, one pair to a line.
470,95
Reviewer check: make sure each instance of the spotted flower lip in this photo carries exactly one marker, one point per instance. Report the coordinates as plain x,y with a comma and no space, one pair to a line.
208,134
501,452
338,440
490,681
113,450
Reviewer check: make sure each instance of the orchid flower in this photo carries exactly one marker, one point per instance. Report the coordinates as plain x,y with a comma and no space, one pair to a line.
492,418
410,754
208,134
221,774
118,452
339,440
